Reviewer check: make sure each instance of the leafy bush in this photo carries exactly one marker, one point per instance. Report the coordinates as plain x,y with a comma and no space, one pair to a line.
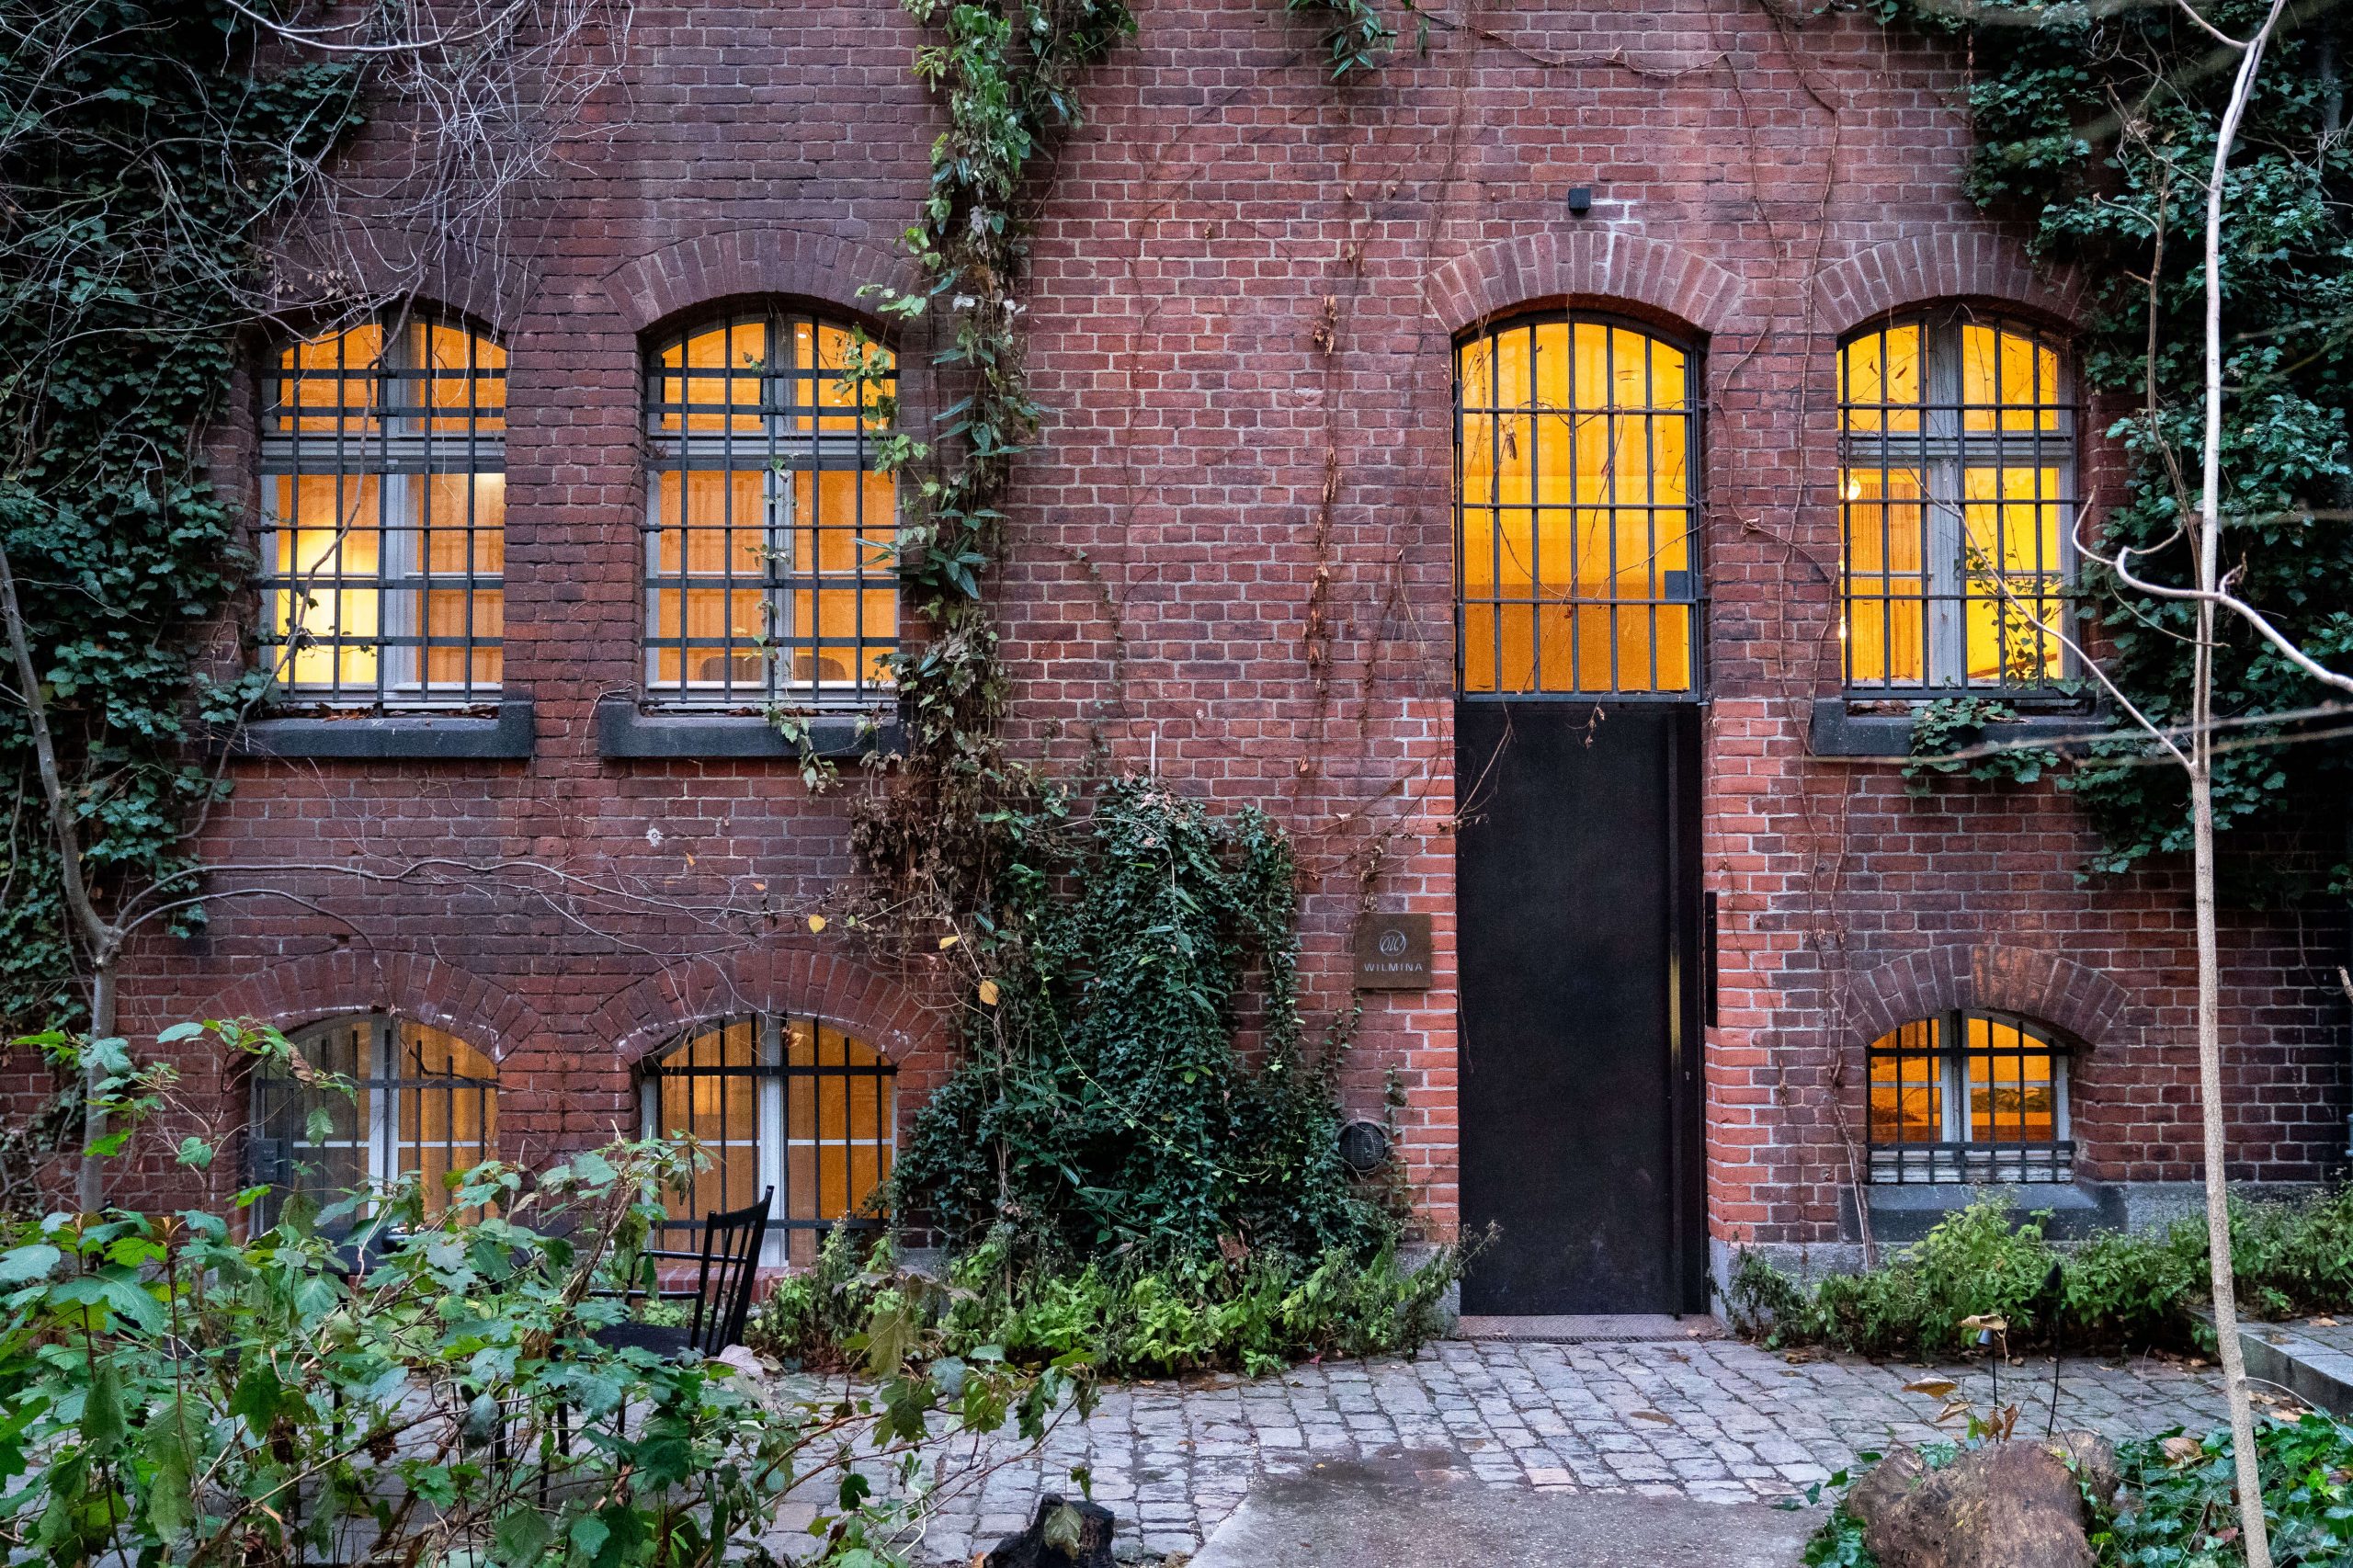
2117,1290
174,1394
2177,1507
1103,1104
1256,1315
2180,1504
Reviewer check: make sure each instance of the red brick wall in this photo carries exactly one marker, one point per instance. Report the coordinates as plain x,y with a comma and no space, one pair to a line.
1233,553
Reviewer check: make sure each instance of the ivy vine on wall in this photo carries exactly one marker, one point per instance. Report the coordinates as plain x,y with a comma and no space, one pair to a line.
2096,127
1105,935
144,158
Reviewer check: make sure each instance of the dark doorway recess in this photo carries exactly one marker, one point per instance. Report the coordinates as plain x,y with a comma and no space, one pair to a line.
1577,889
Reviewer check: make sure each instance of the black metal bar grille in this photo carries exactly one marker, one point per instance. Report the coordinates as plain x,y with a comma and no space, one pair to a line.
1576,525
1956,493
426,1104
383,515
1969,1097
792,1104
768,576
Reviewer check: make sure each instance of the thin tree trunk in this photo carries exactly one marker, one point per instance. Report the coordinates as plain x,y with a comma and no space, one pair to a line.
89,1188
2253,1531
2209,1086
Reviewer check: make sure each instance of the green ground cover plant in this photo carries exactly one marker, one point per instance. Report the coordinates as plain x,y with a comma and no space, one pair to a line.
2177,1509
1253,1315
2116,1290
397,1380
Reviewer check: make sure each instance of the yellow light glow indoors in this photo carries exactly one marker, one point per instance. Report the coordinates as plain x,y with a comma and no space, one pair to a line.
1957,501
770,534
1575,552
789,1104
384,500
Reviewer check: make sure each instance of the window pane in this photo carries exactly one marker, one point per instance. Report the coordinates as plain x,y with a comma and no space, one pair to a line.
1575,541
2012,518
1907,1086
769,560
383,545
1886,530
2008,380
1880,375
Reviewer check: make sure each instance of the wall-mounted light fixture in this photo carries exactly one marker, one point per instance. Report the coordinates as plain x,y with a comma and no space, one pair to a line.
1580,200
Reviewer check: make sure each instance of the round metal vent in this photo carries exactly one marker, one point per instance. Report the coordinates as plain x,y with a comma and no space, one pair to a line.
1364,1145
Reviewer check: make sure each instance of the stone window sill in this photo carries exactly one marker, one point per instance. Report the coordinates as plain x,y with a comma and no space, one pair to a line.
422,737
1838,730
1907,1211
624,730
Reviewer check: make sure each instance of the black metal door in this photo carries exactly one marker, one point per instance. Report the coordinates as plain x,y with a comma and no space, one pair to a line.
1577,900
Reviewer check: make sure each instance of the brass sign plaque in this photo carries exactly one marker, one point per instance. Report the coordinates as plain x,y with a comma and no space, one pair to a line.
1394,952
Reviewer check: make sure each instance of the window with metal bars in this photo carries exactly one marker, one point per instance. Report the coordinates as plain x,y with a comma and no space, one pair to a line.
421,1103
769,573
1576,529
1969,1096
383,491
1957,486
792,1103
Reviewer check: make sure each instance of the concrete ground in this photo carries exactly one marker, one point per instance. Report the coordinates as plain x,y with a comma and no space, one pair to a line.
1425,1510
1528,1426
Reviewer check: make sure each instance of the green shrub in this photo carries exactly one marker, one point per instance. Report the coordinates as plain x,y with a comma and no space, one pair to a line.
2179,1504
2118,1289
1256,1317
1102,1103
174,1394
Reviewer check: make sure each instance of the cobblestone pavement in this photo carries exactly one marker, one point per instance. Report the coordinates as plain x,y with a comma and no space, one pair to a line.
1715,1420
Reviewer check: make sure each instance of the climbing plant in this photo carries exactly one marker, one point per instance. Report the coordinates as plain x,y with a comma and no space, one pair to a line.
1105,935
144,155
2096,126
1126,1119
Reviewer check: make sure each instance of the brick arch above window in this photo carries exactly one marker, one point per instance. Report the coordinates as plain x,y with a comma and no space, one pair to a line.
739,263
650,1015
1989,976
1924,270
323,986
1592,265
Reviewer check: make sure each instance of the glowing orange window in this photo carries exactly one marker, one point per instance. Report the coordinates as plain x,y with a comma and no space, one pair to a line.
768,531
384,515
1958,504
1577,528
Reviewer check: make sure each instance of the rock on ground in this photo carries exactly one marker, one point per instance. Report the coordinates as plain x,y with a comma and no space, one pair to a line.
2008,1505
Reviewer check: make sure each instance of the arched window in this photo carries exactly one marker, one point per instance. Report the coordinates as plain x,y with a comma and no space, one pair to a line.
767,570
1969,1096
1957,483
1576,532
425,1103
384,515
792,1104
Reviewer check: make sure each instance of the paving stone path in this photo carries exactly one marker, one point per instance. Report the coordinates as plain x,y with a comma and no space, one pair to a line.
1714,1420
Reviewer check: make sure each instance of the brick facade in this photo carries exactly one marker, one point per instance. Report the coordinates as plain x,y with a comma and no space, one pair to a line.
1233,554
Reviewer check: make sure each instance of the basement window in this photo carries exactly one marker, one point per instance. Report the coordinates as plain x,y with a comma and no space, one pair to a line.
1969,1096
789,1104
421,1103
